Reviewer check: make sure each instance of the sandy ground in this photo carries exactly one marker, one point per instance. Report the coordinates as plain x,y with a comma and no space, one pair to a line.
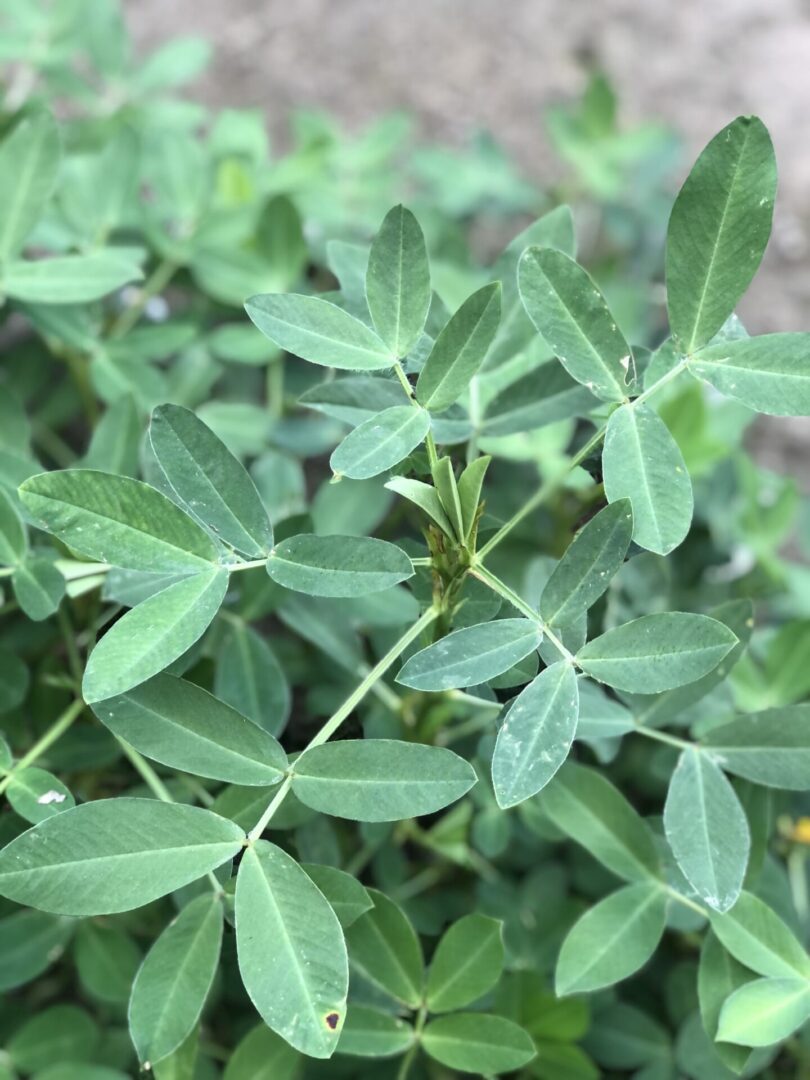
460,65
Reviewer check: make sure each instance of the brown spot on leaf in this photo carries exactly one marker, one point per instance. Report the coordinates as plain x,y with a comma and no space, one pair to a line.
332,1020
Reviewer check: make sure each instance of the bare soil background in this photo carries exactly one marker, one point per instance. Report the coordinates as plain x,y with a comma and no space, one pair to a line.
463,65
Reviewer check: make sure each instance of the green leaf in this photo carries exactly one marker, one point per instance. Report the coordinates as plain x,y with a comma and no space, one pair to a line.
467,963
573,318
588,808
383,945
262,1055
152,635
425,497
114,855
292,956
380,442
469,492
587,567
107,960
347,897
398,281
36,794
29,162
657,652
68,279
536,735
371,1033
174,980
342,566
719,975
460,348
478,1043
51,1036
318,331
209,480
768,373
14,680
39,588
600,716
718,230
755,935
13,541
447,489
380,779
641,462
612,940
765,1011
707,830
770,747
117,520
471,655
249,677
30,941
183,726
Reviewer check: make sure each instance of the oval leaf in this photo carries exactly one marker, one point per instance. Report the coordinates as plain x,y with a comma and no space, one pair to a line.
755,935
338,565
384,946
536,735
642,462
471,655
380,779
380,442
292,956
657,652
770,747
467,963
114,855
765,1011
398,281
478,1043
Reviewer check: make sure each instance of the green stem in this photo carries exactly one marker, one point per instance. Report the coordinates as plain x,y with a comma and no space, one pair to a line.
345,710
685,900
251,565
158,280
430,443
147,773
275,387
498,586
663,736
407,1061
59,727
69,638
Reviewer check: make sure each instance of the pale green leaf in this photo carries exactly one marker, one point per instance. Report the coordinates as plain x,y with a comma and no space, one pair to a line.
383,945
68,279
117,520
769,373
209,480
318,331
38,587
380,442
707,830
380,779
755,935
471,655
114,855
292,956
398,281
765,1011
657,652
612,940
444,478
181,725
588,808
173,982
536,735
425,497
29,162
338,565
374,1034
718,230
467,963
770,747
719,975
575,321
153,635
347,897
478,1043
459,349
588,565
642,462
36,794
249,677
